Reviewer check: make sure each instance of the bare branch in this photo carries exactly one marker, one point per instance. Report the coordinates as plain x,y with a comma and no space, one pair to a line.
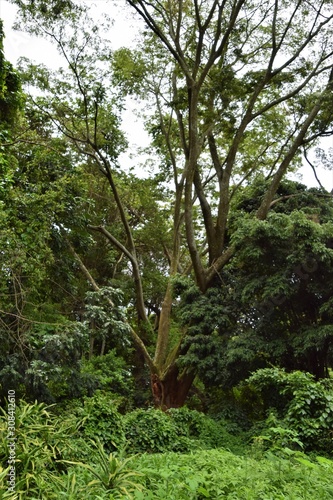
313,168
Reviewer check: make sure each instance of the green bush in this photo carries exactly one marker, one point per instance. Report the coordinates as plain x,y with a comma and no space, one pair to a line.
47,449
188,422
42,439
310,411
112,474
51,464
206,432
277,437
303,405
111,374
153,431
179,429
100,420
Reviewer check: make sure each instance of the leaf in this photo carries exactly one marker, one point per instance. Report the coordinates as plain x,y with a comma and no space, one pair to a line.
324,461
203,492
192,483
305,462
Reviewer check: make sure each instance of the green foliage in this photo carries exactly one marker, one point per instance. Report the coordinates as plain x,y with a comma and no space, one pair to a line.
42,438
304,406
50,369
208,318
273,302
128,70
105,322
4,493
277,437
37,286
113,474
179,429
110,373
206,432
218,474
54,369
152,431
218,108
51,11
189,422
54,462
11,96
227,107
46,444
101,421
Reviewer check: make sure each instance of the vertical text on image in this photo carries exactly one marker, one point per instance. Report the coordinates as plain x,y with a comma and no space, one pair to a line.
11,438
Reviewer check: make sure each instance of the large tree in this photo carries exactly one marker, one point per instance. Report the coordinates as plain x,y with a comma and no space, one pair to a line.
273,306
238,88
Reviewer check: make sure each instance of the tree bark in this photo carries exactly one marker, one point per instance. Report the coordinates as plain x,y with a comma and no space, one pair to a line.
172,389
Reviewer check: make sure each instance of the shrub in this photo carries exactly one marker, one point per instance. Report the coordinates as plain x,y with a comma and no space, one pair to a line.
100,420
46,447
110,374
153,431
179,429
304,404
41,440
277,437
188,422
112,474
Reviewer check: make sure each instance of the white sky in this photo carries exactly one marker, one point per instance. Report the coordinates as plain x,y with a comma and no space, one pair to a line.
18,44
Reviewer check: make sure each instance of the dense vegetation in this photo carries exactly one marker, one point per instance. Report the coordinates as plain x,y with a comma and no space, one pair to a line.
166,331
93,451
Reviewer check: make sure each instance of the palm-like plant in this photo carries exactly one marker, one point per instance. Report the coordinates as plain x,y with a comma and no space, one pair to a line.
112,473
4,492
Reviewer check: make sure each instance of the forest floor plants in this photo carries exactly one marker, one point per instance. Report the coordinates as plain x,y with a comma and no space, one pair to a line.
216,474
55,461
111,473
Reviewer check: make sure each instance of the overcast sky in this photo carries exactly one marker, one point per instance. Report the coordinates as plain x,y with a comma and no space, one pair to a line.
18,44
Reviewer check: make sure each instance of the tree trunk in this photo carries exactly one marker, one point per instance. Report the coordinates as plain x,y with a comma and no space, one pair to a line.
103,346
172,389
91,345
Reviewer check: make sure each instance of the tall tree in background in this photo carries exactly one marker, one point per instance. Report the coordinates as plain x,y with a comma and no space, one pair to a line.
239,91
239,88
274,305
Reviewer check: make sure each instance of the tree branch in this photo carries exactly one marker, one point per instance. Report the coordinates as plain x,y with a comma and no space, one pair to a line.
135,336
264,207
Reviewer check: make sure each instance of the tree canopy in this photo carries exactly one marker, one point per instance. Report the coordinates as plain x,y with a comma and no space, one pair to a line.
211,248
